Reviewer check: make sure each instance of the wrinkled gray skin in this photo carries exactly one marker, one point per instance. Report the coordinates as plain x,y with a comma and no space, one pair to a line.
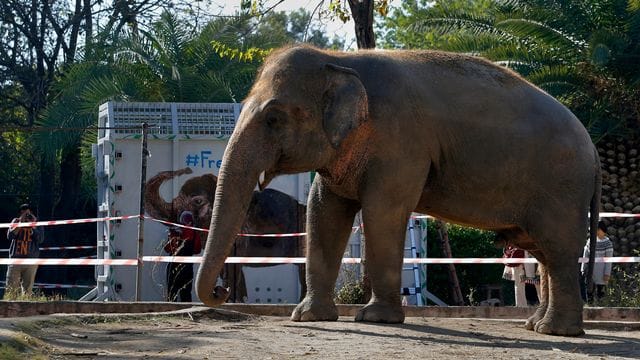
391,132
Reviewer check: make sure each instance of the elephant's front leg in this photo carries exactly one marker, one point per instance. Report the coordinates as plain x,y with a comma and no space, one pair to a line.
329,221
385,229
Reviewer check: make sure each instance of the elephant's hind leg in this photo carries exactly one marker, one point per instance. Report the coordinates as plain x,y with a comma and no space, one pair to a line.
563,314
560,244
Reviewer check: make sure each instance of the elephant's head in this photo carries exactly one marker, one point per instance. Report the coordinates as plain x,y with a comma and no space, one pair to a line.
304,109
196,195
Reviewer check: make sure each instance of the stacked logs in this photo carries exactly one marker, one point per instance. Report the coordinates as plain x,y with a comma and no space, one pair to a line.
620,193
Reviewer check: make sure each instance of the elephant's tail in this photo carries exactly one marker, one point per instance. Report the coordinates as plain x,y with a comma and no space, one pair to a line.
594,213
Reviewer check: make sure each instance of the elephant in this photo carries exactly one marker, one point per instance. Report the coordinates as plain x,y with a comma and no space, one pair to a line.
397,131
271,211
196,195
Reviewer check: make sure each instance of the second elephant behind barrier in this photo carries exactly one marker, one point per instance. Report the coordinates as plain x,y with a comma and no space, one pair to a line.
270,212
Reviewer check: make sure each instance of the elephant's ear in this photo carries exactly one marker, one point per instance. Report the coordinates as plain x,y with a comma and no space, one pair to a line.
345,103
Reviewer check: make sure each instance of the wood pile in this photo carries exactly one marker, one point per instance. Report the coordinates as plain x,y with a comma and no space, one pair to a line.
620,193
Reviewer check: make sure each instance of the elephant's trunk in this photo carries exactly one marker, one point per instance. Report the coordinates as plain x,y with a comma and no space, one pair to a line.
237,179
153,202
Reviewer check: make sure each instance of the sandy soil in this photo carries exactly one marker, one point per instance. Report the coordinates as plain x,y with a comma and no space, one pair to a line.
223,334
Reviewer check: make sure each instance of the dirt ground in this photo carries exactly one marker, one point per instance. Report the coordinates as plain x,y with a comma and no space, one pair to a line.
223,334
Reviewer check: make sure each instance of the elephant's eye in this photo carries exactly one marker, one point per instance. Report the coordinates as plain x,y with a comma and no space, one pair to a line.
197,200
274,118
271,121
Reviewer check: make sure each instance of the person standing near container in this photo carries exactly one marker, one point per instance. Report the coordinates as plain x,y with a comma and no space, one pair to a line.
181,242
24,243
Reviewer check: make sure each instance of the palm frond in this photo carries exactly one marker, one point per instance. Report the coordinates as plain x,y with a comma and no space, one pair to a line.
542,34
452,25
555,74
471,43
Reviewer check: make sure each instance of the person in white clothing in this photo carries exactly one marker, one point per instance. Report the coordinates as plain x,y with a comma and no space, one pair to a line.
521,274
601,271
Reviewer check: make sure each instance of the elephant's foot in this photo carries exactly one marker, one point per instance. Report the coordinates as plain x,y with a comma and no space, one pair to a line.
537,316
564,323
311,309
381,313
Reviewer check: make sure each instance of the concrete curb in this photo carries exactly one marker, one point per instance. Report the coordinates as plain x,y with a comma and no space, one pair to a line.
32,308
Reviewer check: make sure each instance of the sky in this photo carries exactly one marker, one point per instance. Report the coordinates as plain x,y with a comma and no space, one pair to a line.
332,27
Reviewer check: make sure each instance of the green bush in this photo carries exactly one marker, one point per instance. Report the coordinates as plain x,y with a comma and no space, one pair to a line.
622,290
352,288
17,295
351,293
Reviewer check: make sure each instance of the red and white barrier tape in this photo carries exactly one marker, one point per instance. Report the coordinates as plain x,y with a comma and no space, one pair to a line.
67,247
621,215
48,248
35,261
354,229
127,217
65,222
175,224
288,260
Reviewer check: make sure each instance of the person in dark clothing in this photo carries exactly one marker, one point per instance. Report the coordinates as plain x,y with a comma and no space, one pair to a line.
181,242
24,243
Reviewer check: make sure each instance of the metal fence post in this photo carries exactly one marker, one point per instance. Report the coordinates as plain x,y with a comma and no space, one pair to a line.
143,180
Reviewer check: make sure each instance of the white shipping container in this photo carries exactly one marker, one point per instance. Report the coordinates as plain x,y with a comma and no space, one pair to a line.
181,135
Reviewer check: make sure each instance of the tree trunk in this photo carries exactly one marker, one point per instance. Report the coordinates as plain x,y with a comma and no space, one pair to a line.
454,284
362,13
70,176
88,24
47,184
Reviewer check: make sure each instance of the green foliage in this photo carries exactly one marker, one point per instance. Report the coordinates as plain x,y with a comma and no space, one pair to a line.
167,61
37,296
351,293
403,28
340,9
249,55
352,289
272,30
584,53
622,290
18,182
